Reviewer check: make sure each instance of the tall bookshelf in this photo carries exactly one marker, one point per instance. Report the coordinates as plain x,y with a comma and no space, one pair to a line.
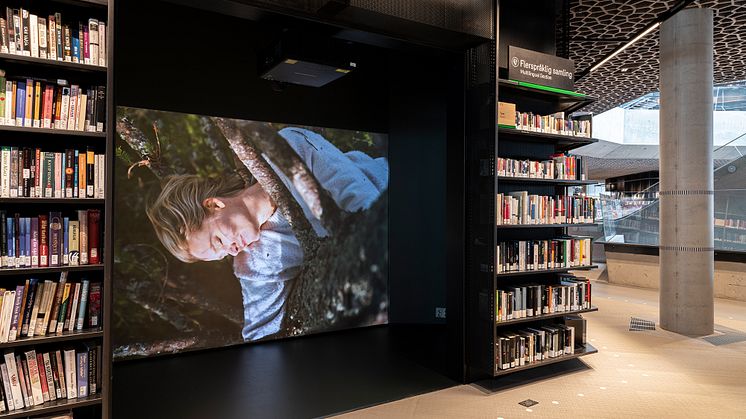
486,141
19,66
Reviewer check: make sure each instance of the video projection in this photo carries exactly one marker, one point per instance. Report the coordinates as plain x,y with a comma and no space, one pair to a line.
229,231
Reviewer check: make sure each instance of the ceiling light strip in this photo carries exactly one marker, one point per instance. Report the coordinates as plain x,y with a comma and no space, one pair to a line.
649,29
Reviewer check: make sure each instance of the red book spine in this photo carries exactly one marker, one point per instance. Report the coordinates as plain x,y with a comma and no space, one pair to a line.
42,375
94,223
43,241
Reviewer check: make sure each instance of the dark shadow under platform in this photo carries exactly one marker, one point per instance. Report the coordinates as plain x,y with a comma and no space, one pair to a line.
296,378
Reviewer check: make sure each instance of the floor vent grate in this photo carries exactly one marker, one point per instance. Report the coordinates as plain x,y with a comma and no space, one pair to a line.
528,403
725,335
637,324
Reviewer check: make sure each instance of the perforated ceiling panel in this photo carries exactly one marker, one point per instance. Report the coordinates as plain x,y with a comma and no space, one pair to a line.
597,27
468,16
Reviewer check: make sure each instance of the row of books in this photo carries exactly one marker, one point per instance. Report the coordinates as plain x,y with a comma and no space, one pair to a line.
571,294
559,166
521,208
34,173
530,345
39,308
37,103
31,378
32,35
531,255
556,123
50,240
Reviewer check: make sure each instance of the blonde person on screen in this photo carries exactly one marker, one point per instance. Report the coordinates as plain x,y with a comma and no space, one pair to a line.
206,219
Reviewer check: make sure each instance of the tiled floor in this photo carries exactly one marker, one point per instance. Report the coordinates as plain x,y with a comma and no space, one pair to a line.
644,374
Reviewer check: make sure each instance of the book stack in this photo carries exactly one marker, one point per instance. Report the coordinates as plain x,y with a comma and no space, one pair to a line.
49,37
531,255
34,173
32,378
560,166
50,240
520,208
571,294
531,345
38,103
556,123
41,308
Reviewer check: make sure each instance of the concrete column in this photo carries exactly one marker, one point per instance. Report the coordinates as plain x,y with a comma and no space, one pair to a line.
686,190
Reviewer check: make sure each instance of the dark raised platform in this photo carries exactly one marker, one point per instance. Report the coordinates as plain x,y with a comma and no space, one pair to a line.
297,378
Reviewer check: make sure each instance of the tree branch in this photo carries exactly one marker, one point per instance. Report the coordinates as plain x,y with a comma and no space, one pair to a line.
140,144
223,154
268,179
319,201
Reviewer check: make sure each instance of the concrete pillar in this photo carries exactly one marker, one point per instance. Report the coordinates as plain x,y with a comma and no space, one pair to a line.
686,190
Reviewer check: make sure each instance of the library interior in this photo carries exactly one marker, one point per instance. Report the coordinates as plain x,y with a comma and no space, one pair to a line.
372,209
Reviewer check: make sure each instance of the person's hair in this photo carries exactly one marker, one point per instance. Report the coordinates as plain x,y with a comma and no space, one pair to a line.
179,208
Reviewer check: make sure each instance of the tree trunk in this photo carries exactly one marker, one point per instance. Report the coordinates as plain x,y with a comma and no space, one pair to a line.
245,149
142,146
319,201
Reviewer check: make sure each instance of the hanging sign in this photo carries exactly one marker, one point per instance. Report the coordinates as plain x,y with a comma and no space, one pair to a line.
544,69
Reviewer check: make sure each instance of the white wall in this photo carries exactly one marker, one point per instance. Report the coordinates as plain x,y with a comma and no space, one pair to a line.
641,126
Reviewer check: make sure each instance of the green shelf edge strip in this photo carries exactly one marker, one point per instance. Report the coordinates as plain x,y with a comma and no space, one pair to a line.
548,89
506,126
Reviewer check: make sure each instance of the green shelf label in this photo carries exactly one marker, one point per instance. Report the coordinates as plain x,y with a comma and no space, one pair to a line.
548,89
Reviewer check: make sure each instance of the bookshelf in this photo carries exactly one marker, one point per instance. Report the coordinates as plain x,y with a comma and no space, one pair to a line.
58,140
490,141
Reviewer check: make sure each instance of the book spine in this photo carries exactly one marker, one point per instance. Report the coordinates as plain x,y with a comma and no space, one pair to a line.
48,373
29,106
58,169
100,108
71,374
102,44
20,96
17,304
73,308
55,374
74,235
82,377
42,377
33,30
35,242
61,373
33,371
69,172
64,233
94,228
90,173
60,38
52,37
81,174
75,37
63,308
94,305
54,315
28,308
55,248
93,363
43,240
15,383
86,37
83,220
83,304
25,381
65,108
6,387
67,44
26,32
